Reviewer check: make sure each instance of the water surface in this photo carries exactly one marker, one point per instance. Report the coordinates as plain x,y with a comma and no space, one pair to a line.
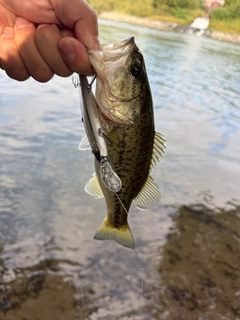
47,220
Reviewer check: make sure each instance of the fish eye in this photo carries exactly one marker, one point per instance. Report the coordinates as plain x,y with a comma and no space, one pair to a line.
135,70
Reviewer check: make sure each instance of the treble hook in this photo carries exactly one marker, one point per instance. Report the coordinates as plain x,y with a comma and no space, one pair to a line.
75,82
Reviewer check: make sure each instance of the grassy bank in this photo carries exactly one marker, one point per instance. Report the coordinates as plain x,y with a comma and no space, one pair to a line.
228,26
166,13
146,9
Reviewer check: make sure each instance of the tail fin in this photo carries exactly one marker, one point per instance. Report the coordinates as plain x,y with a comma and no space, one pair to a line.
123,237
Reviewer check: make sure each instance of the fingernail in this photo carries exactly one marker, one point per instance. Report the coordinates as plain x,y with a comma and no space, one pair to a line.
97,45
40,26
8,33
67,50
21,23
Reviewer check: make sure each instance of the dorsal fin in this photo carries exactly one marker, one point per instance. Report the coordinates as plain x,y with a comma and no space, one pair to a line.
158,149
93,188
149,196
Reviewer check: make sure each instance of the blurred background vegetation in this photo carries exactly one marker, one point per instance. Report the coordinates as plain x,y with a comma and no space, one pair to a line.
226,19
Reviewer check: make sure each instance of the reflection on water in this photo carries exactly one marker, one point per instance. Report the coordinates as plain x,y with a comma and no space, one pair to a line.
185,264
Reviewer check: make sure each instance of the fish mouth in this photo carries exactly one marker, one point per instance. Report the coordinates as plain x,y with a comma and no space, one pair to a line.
112,52
105,61
119,49
120,44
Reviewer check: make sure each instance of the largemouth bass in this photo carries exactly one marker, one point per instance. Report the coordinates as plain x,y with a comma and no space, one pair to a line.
124,99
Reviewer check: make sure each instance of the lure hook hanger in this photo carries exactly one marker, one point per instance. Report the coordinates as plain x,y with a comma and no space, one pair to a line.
91,83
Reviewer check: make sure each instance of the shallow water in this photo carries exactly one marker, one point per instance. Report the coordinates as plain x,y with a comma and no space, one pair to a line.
186,262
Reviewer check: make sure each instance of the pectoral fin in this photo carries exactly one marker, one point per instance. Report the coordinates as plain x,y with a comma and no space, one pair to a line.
84,144
149,196
93,188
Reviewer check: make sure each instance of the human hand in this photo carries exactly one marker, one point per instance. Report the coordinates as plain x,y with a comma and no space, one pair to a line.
40,38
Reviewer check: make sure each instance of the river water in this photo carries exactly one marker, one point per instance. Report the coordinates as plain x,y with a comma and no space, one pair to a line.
187,257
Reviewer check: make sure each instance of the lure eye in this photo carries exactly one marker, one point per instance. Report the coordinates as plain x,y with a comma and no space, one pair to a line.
136,70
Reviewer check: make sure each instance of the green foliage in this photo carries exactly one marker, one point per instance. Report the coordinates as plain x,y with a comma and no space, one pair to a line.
229,26
187,4
141,8
230,2
226,19
227,12
180,13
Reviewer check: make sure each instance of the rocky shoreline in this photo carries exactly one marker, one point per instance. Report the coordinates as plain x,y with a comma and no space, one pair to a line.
169,26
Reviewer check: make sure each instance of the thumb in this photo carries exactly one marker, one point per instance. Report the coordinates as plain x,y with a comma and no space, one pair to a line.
87,35
80,18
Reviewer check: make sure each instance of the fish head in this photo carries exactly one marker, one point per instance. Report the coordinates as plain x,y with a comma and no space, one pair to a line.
122,83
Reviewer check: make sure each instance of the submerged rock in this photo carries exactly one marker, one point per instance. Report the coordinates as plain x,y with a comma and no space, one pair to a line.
199,269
